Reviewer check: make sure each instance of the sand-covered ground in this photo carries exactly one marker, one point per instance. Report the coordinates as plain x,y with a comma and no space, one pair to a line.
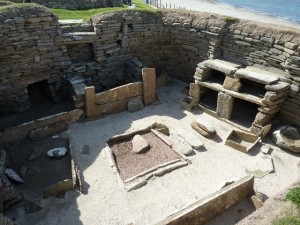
227,10
106,202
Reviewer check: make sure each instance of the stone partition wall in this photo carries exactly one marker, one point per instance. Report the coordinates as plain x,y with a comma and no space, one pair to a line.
76,4
34,47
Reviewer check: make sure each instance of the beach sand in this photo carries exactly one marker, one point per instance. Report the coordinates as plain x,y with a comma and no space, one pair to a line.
227,10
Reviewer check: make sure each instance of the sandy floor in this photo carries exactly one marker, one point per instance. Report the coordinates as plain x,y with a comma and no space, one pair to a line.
106,202
227,10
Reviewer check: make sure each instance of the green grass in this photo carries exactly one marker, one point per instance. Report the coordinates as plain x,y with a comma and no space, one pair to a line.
294,196
87,14
290,217
287,220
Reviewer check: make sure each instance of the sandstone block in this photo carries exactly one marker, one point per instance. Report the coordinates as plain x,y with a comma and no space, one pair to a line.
224,105
206,126
48,130
195,126
232,84
149,80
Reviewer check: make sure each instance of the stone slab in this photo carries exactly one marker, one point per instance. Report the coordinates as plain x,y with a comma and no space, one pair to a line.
48,130
222,66
91,109
119,93
256,75
194,92
22,131
278,87
149,81
192,139
207,208
224,105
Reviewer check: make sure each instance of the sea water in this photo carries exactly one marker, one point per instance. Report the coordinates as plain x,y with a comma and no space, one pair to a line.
287,9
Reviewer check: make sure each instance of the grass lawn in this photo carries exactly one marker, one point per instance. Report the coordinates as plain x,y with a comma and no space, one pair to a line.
88,13
293,216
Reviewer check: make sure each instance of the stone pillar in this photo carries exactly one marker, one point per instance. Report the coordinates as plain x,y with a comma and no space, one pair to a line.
232,84
195,92
149,80
224,105
91,109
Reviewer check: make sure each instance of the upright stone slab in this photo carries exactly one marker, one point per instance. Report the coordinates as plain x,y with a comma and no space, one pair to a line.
195,92
91,110
225,105
149,80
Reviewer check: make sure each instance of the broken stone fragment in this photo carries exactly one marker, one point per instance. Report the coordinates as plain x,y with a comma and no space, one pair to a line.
261,166
36,153
57,153
10,173
265,149
139,144
257,202
206,126
287,137
195,126
180,144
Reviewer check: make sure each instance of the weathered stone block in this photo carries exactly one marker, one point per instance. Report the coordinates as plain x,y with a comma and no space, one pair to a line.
91,109
232,84
224,105
149,81
194,92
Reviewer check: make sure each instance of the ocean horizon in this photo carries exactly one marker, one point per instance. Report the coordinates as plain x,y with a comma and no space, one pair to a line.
278,8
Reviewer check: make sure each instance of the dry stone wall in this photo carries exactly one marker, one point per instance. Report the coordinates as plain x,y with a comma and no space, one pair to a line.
28,53
35,47
76,4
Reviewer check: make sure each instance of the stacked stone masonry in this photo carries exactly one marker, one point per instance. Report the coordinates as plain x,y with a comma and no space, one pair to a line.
76,4
35,46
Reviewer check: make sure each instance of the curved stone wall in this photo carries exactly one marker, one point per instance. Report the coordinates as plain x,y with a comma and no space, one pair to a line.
76,4
33,47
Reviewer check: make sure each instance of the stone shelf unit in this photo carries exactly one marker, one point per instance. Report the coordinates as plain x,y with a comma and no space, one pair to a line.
233,82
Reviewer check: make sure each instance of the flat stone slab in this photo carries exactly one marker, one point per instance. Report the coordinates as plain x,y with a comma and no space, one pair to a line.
223,66
74,21
192,139
195,126
180,144
278,87
139,144
206,126
256,75
261,166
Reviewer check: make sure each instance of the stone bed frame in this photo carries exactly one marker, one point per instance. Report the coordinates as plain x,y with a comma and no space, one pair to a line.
143,178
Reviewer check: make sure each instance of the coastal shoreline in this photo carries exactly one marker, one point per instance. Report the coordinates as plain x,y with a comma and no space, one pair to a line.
217,7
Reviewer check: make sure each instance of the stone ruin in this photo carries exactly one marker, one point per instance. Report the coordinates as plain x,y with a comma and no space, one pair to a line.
241,72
